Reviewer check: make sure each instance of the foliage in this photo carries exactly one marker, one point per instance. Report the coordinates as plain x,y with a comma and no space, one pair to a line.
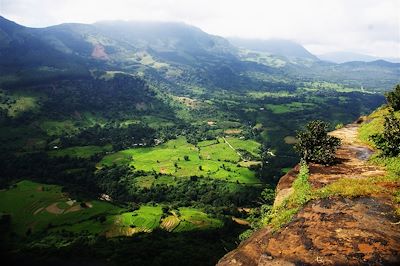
393,98
339,126
283,213
315,145
389,141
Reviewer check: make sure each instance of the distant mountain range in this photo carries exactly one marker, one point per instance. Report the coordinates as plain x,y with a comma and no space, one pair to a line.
285,48
342,57
175,52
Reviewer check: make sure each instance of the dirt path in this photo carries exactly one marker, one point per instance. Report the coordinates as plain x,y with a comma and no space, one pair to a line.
331,231
352,157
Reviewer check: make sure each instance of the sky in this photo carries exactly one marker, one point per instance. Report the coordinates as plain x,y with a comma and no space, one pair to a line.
364,26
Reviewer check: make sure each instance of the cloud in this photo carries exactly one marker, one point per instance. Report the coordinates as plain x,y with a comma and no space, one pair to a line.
363,26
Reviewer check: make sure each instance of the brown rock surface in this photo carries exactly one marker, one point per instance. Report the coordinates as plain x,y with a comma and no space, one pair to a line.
332,231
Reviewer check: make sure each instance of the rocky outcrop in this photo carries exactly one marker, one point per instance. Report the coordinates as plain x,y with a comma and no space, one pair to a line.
330,231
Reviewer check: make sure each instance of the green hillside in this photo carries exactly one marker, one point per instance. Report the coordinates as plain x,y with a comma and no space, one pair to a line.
121,140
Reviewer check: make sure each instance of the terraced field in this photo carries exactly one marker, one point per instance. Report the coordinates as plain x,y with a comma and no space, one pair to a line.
36,207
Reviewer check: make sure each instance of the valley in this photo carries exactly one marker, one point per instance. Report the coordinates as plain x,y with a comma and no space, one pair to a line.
125,140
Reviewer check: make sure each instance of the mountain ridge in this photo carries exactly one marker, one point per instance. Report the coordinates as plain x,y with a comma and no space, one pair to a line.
169,50
344,57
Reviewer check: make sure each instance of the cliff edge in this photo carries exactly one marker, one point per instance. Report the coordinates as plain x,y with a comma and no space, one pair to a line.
355,224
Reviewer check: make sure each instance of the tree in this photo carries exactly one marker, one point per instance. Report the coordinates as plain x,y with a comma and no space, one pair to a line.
393,98
315,145
389,140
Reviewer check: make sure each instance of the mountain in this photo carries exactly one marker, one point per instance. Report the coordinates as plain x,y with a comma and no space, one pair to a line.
174,52
122,139
284,48
343,56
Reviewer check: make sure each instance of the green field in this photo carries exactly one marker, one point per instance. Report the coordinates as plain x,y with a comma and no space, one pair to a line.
290,107
38,207
80,151
148,218
213,159
18,102
57,128
193,219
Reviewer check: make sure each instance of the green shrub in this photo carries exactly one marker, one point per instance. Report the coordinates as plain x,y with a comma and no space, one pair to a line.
315,145
393,98
389,141
339,126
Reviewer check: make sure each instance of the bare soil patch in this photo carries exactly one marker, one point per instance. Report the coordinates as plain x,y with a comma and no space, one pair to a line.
54,209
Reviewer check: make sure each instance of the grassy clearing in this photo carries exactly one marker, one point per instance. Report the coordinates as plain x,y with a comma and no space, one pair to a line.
219,151
38,207
193,219
150,180
18,102
251,146
80,151
350,188
147,217
57,128
289,107
72,125
156,122
181,159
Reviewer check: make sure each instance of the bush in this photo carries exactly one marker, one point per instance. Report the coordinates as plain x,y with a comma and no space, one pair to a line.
393,98
389,141
315,145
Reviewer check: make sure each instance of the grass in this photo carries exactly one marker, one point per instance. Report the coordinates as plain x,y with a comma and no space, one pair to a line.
350,188
29,203
80,151
283,213
193,219
147,217
57,128
219,151
148,181
374,125
208,159
289,107
251,146
18,102
41,208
